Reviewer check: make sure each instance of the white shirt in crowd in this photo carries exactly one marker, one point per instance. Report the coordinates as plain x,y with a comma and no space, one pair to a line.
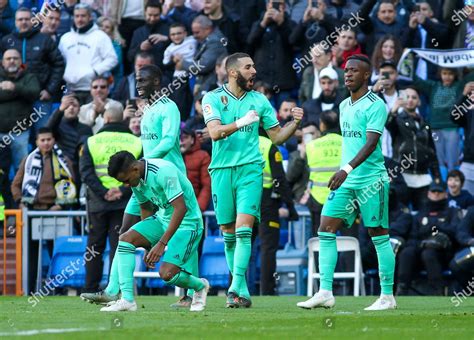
186,49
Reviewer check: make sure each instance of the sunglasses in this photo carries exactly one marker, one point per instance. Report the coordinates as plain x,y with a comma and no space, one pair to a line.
95,87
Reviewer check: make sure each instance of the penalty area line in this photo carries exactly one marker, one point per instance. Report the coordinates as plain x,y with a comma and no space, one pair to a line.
50,331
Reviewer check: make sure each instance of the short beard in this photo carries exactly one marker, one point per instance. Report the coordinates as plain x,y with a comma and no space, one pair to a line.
242,82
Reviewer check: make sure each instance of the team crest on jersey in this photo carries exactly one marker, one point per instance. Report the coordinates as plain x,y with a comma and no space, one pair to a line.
224,100
207,110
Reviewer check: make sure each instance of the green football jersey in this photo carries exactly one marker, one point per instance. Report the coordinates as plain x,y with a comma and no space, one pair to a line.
160,132
368,114
162,184
242,146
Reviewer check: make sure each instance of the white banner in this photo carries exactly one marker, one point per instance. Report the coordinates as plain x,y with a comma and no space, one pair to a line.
445,58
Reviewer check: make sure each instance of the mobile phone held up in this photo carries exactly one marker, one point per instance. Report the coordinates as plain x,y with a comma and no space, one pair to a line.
314,4
276,4
133,103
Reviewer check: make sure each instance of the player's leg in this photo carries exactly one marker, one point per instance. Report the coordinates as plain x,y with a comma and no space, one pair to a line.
374,211
143,234
339,210
178,264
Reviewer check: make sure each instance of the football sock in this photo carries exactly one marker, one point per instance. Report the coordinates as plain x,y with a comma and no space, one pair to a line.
126,266
242,254
185,280
327,259
195,271
113,287
229,249
386,259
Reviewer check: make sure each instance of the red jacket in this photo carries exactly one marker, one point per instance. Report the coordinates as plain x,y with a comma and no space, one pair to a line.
346,54
197,161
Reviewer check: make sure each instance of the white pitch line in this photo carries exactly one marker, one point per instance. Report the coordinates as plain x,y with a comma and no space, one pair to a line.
51,331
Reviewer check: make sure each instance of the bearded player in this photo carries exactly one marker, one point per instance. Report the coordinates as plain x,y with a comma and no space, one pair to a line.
233,113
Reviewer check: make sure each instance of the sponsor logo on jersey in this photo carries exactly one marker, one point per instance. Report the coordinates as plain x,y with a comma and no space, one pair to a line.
149,136
207,110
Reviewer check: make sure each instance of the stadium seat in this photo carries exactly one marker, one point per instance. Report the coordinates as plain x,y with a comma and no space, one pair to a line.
344,243
67,265
213,265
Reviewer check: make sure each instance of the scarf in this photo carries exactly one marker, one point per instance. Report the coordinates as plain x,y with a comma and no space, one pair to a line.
62,177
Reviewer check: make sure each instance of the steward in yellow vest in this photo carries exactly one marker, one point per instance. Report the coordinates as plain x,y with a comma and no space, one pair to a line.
275,191
106,197
323,156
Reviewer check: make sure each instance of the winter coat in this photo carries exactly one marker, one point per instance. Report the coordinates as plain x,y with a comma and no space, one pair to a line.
41,56
17,106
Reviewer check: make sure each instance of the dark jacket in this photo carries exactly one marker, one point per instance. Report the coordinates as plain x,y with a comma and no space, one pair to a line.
5,164
7,21
142,33
465,229
461,201
125,88
95,190
306,34
412,142
41,55
207,53
229,25
182,15
197,161
69,135
401,222
297,174
272,60
464,117
17,106
313,107
280,192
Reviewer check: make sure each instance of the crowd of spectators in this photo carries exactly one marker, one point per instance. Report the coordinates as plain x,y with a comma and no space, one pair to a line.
66,63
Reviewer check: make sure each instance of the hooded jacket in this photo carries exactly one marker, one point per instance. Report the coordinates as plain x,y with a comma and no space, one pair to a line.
41,56
16,107
197,161
88,52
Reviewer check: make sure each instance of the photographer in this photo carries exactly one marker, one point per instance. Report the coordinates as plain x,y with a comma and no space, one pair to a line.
435,229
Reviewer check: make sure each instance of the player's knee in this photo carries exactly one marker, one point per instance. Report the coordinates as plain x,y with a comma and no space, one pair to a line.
126,237
378,231
327,229
166,273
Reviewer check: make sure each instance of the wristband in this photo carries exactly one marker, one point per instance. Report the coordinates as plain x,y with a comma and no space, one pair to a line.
347,168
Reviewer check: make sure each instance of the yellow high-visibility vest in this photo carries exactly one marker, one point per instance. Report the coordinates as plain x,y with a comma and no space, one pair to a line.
104,145
324,159
265,144
2,209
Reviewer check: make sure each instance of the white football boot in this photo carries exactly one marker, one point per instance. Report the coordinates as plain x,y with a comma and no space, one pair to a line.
199,298
121,305
384,302
322,299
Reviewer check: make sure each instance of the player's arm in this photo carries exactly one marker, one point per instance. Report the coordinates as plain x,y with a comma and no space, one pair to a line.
372,138
178,214
146,209
169,131
280,135
218,131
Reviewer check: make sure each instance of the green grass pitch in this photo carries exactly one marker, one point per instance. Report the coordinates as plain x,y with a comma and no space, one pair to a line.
270,318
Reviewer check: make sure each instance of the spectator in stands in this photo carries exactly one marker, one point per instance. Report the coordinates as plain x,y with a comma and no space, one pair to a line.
284,117
338,10
388,48
184,48
109,27
106,197
151,37
462,265
7,18
313,27
329,99
92,114
51,25
69,133
178,12
426,32
345,46
442,97
249,11
320,58
126,89
463,116
196,124
457,197
218,78
435,230
42,58
269,40
40,181
209,48
264,88
384,23
67,16
18,91
460,25
227,22
134,125
414,146
88,52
